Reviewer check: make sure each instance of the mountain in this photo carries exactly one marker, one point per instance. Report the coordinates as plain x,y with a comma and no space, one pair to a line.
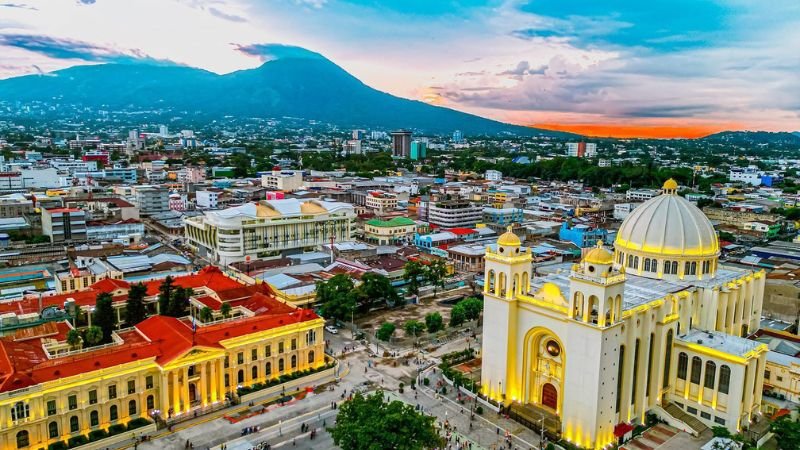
754,137
302,84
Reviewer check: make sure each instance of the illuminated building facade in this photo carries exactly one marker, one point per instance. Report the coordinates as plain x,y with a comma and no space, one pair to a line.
165,366
656,326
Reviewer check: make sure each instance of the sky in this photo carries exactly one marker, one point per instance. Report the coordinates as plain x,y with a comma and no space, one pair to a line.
625,68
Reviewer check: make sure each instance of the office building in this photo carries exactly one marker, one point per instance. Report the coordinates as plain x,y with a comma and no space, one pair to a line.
451,213
207,199
401,143
458,137
268,228
64,224
582,149
419,150
653,326
493,175
151,199
283,180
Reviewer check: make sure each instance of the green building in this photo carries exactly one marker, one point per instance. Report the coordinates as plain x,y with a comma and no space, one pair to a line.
419,150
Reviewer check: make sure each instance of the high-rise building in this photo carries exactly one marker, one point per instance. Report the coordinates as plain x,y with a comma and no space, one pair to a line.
419,150
401,143
64,224
582,149
163,131
458,137
358,135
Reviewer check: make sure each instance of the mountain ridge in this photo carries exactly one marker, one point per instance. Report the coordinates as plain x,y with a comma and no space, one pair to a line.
754,137
293,86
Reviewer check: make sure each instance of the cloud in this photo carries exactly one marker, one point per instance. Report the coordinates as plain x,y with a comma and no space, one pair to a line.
317,4
87,2
227,16
63,48
18,6
522,69
270,52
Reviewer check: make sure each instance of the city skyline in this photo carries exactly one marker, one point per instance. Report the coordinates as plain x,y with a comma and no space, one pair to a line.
618,68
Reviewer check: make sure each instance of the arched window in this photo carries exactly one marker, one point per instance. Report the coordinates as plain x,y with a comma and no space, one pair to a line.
311,357
294,361
654,265
268,369
23,439
647,264
132,408
94,419
683,365
697,366
706,267
634,383
74,425
693,268
667,268
667,359
52,428
240,376
20,411
674,267
630,260
113,414
650,363
724,379
254,372
711,373
620,374
150,403
635,262
280,365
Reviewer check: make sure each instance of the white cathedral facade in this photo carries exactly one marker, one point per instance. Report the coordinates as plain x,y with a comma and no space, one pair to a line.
657,326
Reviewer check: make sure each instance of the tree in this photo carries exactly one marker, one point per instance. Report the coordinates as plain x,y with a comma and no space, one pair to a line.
435,274
165,295
337,297
93,335
104,315
74,339
369,422
376,288
787,432
135,310
386,331
207,314
414,327
473,307
179,302
434,322
413,271
457,315
225,309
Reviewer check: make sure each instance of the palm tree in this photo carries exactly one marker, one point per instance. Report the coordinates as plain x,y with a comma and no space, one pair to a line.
225,309
206,314
94,335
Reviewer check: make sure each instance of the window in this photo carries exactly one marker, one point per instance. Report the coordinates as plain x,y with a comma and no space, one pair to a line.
94,419
724,379
666,267
113,413
268,350
74,426
20,411
705,415
691,410
280,365
667,359
620,375
268,369
227,380
148,382
690,268
683,364
697,365
240,358
634,384
93,396
23,439
311,337
254,373
51,407
72,402
294,361
311,357
635,262
240,377
131,386
227,362
253,355
280,347
719,420
132,408
766,374
674,267
52,428
711,373
294,344
112,391
706,267
151,403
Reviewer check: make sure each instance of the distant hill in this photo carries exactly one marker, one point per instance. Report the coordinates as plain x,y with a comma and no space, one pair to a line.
303,84
754,137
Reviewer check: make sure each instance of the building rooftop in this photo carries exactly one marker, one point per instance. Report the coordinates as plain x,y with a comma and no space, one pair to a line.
726,343
395,222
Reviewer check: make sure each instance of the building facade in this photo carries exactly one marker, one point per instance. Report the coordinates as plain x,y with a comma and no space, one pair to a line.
388,232
283,180
267,228
64,224
401,143
451,213
654,327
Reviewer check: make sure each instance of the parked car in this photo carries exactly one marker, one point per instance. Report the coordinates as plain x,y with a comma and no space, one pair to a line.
332,329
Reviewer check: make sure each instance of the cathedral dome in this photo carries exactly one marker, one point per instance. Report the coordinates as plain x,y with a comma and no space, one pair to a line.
599,255
509,239
668,226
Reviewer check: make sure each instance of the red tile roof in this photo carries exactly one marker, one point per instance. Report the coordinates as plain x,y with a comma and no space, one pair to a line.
110,285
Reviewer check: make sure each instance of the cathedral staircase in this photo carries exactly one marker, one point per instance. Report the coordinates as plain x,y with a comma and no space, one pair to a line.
693,425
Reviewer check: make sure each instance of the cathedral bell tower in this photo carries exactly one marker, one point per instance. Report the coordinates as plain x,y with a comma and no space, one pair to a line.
596,289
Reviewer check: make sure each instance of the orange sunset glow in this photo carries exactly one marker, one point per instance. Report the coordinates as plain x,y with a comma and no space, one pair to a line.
640,131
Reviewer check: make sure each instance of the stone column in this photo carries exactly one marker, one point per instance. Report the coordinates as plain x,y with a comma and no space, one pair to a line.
214,382
203,381
164,394
176,393
185,389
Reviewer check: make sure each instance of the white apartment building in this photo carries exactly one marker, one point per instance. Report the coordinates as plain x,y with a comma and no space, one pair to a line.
29,179
622,210
74,165
267,228
641,195
283,180
581,149
493,175
380,202
452,213
207,199
151,199
749,175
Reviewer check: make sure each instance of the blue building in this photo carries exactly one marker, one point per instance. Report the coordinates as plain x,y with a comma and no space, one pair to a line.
503,216
582,235
419,150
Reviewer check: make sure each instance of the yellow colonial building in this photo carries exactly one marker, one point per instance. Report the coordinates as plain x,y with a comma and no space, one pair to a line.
656,326
163,367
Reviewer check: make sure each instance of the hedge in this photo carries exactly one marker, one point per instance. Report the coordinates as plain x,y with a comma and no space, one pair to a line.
138,423
281,379
77,441
60,445
116,429
96,435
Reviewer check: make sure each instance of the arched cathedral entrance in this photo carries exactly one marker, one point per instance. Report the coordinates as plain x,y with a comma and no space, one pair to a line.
544,369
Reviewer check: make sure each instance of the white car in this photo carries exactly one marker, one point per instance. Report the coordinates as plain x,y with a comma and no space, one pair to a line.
332,329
